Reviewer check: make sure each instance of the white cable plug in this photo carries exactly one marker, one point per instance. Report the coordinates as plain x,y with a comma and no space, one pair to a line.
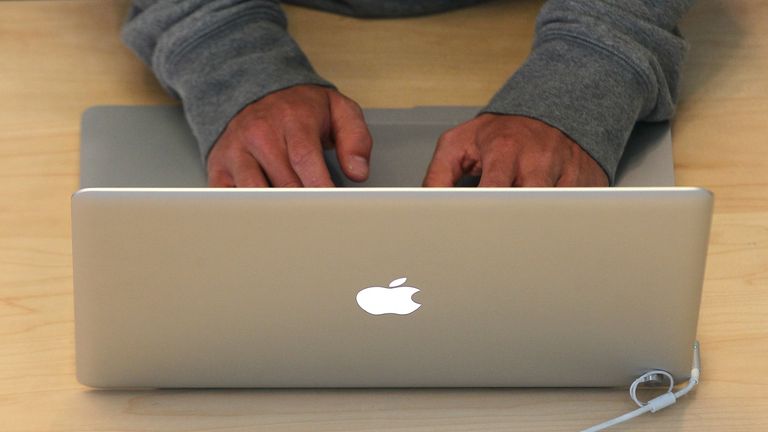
660,402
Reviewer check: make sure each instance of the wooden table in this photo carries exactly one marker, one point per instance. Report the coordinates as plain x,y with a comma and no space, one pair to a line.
59,57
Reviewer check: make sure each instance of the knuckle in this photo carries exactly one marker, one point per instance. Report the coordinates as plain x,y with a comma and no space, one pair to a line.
296,114
544,155
256,128
231,153
300,155
503,140
290,114
259,136
351,103
301,122
447,137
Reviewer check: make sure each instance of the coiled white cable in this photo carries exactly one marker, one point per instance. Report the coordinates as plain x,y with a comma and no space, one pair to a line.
659,402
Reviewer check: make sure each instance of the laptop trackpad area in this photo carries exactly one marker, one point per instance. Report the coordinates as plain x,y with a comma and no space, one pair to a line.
399,158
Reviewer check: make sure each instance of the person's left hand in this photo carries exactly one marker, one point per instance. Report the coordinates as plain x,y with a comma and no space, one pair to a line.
511,150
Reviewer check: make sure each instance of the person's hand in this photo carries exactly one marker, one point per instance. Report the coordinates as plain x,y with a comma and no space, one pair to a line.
278,140
511,150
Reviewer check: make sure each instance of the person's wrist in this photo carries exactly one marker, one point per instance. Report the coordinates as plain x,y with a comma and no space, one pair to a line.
587,94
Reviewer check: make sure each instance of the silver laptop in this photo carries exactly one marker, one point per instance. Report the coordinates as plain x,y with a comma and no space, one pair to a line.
387,287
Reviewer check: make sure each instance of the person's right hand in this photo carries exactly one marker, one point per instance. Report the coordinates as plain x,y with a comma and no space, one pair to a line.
278,140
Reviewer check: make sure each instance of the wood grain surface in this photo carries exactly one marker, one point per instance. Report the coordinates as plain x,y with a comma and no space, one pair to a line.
59,57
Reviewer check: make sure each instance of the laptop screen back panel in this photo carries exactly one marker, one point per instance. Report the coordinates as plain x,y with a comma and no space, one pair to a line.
257,288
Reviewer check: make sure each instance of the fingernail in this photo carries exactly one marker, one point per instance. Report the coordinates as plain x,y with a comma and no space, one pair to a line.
358,166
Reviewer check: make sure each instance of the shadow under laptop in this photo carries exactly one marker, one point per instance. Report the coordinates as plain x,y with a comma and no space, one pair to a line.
372,409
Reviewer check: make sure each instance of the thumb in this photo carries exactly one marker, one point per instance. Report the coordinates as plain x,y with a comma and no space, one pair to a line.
351,136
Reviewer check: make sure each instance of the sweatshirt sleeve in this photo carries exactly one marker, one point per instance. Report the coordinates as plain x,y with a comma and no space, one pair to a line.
217,56
596,68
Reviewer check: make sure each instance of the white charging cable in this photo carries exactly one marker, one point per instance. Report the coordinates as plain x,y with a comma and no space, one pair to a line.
660,402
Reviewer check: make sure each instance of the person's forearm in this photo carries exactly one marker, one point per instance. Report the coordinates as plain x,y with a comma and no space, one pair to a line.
217,56
596,68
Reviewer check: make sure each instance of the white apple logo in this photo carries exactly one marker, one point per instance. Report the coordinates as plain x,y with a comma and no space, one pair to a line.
393,300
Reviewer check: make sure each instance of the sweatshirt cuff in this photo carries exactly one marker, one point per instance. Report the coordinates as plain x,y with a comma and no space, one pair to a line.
588,93
234,65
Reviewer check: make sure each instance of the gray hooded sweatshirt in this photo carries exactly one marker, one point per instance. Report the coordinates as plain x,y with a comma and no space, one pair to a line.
596,66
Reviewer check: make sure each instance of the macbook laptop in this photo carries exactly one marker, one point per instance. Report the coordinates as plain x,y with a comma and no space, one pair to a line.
379,287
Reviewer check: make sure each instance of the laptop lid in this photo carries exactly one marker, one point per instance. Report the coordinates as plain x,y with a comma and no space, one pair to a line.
267,288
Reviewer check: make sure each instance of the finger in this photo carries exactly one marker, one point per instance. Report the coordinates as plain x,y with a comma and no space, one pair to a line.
499,157
447,163
220,178
305,153
569,178
496,174
351,136
218,174
582,170
270,153
246,172
583,177
534,180
537,168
